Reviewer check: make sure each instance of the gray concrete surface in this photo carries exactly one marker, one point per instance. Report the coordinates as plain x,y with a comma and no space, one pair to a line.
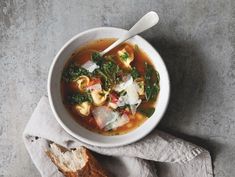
196,38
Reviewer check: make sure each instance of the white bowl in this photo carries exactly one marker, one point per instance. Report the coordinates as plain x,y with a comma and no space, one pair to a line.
67,121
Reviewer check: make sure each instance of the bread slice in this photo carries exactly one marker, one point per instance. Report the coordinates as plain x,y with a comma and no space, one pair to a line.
77,162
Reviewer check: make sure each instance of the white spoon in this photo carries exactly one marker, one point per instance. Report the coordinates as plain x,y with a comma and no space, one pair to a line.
147,21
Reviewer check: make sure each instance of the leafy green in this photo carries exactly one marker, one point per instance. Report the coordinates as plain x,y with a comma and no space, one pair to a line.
124,56
147,112
151,82
111,69
72,72
134,73
78,98
97,58
109,73
108,70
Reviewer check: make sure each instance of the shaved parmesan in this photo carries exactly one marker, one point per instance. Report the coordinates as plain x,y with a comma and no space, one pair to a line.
104,116
134,107
139,82
132,94
128,80
108,119
90,66
120,121
132,97
122,100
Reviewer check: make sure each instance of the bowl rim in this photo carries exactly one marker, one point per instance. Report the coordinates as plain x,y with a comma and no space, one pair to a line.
75,135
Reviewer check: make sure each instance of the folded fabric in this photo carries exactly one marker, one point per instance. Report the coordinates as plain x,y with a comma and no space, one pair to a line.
157,155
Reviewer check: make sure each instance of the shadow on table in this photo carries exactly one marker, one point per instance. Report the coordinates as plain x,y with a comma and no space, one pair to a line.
184,60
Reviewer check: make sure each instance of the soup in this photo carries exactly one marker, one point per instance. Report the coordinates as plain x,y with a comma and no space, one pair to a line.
111,94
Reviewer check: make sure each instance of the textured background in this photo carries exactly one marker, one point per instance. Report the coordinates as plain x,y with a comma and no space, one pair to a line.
196,38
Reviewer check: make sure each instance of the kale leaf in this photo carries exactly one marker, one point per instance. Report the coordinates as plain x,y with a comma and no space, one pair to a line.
151,82
110,74
78,98
72,72
134,73
97,58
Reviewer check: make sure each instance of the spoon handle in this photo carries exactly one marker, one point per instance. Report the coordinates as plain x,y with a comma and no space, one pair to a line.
147,21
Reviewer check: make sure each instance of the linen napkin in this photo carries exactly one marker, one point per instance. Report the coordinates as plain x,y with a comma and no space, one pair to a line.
157,155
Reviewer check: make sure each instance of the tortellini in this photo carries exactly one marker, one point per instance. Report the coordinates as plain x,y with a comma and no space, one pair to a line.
126,56
99,97
82,82
83,109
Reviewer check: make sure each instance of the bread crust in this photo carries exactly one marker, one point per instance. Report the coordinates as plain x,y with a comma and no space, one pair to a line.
91,168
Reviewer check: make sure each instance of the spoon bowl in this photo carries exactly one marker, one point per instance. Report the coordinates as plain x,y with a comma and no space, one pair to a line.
147,21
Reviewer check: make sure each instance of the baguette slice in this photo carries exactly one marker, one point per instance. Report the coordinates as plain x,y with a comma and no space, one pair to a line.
77,162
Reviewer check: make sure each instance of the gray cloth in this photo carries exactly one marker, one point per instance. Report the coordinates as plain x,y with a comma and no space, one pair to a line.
158,154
